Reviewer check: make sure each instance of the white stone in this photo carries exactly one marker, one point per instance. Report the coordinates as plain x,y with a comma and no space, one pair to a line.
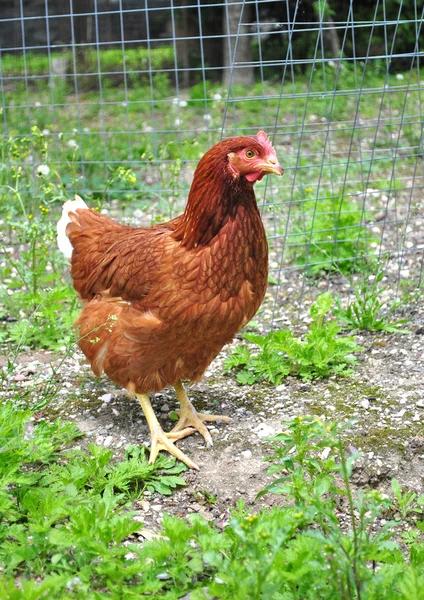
325,453
264,430
106,398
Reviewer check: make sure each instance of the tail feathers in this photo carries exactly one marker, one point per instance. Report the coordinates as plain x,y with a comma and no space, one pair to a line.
63,242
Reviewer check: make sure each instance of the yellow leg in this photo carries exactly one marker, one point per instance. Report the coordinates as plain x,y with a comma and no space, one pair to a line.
189,417
161,440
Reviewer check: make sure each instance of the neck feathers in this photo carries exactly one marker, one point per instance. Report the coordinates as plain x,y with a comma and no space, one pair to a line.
214,198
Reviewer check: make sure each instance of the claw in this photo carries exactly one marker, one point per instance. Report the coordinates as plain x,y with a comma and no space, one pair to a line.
190,418
162,441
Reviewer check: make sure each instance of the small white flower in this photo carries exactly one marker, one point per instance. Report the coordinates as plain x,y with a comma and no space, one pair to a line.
182,103
147,128
207,117
46,132
37,103
71,583
72,144
175,101
29,431
399,76
331,63
86,129
124,104
217,96
177,122
43,170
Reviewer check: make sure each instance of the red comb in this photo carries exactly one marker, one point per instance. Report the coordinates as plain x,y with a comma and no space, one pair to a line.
265,141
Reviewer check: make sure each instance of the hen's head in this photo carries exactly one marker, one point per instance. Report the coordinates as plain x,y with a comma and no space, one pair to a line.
252,157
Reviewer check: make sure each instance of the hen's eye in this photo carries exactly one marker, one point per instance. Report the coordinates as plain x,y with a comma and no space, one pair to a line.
250,154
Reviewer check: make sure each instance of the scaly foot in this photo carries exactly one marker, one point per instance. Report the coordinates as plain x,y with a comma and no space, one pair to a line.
190,418
161,440
165,441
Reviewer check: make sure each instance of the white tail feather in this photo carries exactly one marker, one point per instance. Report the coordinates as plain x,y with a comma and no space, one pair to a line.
63,242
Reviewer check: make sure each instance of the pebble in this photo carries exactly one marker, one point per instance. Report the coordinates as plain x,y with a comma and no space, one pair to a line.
106,398
164,408
19,378
365,404
246,454
138,518
108,441
399,414
325,453
420,404
264,430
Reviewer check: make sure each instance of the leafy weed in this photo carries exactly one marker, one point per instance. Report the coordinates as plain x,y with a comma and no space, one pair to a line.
320,353
366,311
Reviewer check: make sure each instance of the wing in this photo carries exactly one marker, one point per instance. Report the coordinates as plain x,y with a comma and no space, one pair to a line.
114,259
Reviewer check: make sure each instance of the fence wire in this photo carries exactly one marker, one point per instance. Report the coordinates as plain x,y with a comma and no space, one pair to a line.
149,85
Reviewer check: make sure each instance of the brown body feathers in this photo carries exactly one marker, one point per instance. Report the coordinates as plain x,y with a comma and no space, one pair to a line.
161,302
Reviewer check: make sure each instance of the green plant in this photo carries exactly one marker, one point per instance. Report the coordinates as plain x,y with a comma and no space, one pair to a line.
63,513
205,497
320,353
41,310
329,234
366,311
67,526
95,470
308,464
407,503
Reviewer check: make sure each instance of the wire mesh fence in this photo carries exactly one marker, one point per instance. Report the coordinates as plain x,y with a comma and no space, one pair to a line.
123,88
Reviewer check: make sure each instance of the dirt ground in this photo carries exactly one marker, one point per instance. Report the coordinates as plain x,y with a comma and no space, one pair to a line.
385,398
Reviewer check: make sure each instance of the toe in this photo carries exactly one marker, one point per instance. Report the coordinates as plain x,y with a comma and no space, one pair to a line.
205,417
180,433
160,441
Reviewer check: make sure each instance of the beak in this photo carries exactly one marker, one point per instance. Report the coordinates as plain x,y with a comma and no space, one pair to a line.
271,166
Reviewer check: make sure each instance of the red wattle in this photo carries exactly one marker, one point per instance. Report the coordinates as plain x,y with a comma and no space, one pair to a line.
252,177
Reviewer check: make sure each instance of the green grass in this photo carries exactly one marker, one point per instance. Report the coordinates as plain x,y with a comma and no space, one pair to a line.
329,234
67,525
110,60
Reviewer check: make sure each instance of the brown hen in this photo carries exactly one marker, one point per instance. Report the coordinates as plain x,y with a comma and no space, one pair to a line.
161,302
